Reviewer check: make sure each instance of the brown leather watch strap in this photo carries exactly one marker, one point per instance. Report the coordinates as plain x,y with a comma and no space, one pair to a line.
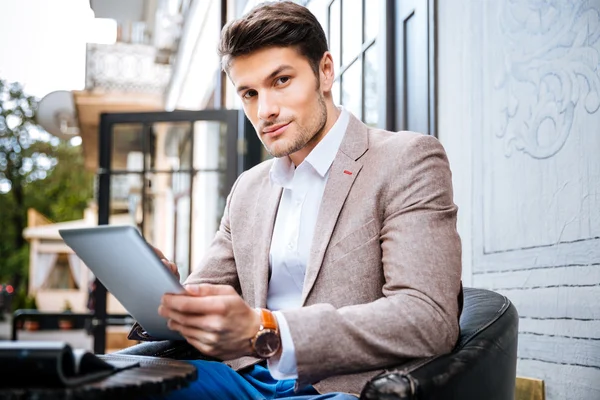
267,319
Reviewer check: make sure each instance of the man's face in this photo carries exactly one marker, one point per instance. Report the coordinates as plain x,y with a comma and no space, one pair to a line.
282,98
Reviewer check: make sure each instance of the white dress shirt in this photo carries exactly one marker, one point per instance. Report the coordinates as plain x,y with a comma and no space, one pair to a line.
293,233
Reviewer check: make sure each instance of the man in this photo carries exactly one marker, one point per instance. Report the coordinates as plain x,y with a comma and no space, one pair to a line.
334,260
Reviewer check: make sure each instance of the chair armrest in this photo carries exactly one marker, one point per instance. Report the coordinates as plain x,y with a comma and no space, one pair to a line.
482,366
461,375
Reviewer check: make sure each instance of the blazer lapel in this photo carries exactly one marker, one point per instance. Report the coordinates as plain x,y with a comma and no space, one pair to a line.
263,225
343,172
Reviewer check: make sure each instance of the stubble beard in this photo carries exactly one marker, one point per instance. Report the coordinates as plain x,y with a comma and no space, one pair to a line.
305,135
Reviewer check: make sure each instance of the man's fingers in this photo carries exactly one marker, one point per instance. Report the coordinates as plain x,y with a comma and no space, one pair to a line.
158,253
216,324
196,305
207,289
206,349
206,323
172,266
208,338
172,314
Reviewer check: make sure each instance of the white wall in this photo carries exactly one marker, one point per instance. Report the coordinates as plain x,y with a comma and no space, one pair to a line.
197,61
454,113
519,100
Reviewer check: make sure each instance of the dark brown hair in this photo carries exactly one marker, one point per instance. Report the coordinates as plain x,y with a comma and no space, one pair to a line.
274,24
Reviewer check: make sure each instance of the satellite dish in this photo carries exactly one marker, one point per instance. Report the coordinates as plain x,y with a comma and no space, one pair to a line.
56,114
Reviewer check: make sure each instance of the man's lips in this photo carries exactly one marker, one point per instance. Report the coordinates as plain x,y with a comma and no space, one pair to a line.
275,130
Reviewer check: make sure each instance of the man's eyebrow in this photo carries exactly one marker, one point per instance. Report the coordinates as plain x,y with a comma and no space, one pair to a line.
279,70
272,75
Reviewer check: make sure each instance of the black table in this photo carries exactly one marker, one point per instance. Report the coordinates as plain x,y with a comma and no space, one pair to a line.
154,376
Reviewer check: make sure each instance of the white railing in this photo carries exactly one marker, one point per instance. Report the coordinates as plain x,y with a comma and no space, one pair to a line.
125,67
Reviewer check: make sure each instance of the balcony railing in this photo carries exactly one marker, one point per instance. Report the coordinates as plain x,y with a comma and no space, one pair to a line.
125,67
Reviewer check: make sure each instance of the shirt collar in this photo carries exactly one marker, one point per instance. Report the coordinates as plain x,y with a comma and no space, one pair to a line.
320,158
282,172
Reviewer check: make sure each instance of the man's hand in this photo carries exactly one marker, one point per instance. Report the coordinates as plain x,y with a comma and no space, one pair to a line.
171,265
212,318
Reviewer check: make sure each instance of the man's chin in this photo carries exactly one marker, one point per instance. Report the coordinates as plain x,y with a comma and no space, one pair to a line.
282,148
278,153
277,150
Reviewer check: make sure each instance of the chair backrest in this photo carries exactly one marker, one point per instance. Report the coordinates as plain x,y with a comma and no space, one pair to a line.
481,366
481,309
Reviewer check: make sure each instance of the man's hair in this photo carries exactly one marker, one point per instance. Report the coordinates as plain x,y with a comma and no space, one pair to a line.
274,24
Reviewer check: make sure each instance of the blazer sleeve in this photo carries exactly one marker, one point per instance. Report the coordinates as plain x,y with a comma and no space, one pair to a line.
421,260
218,265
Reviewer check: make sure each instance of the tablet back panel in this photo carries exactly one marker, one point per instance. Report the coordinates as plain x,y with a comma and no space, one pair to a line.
127,266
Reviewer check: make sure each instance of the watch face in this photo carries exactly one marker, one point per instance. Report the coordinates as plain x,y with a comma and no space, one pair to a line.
267,343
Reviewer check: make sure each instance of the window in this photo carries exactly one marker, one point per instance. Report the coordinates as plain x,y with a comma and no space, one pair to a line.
352,32
60,276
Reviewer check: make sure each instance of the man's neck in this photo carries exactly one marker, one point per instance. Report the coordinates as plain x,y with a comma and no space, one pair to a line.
333,114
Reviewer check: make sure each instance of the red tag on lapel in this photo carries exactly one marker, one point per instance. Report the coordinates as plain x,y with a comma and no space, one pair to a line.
347,172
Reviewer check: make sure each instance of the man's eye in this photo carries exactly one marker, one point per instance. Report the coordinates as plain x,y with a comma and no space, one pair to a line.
249,94
282,80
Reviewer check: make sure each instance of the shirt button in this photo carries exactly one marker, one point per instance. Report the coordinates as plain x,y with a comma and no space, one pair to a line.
290,245
298,202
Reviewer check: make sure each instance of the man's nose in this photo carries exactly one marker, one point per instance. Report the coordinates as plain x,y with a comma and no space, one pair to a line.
267,108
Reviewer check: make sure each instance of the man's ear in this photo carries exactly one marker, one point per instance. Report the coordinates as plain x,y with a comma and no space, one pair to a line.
326,72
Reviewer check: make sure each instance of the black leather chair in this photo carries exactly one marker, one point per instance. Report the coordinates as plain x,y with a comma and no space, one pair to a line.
481,367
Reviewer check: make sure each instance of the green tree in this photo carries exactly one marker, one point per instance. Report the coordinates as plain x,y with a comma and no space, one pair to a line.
19,163
64,194
36,170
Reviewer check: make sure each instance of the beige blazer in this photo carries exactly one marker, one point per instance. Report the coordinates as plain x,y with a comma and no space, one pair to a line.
383,278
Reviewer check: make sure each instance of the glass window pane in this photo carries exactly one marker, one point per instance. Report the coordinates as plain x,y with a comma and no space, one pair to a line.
371,99
351,89
167,215
169,146
210,145
127,147
126,199
334,33
371,20
208,205
352,30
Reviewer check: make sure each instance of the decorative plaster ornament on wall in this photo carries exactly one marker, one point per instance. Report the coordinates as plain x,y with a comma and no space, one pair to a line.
551,73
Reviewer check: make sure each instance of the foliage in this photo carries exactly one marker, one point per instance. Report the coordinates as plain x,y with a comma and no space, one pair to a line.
30,303
18,300
13,262
22,301
65,192
18,163
36,171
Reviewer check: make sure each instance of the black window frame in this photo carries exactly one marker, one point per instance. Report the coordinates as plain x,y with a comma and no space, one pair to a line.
391,76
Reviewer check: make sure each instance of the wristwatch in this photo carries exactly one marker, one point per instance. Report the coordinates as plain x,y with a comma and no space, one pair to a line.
266,342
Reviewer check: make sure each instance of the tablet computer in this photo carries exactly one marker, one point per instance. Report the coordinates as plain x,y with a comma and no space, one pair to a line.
130,269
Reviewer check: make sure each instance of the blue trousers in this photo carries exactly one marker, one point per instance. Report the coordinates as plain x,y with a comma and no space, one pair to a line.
219,382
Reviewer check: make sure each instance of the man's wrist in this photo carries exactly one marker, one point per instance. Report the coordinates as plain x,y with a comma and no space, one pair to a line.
284,366
266,343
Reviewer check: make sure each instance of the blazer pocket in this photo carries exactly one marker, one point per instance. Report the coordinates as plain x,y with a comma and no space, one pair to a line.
353,240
